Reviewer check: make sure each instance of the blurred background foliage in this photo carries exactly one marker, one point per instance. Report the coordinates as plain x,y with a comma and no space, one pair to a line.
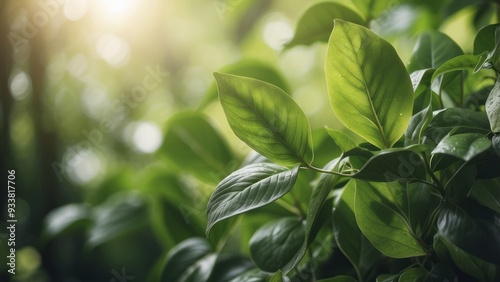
107,106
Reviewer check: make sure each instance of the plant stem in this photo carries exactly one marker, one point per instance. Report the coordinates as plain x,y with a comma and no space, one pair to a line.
436,181
326,171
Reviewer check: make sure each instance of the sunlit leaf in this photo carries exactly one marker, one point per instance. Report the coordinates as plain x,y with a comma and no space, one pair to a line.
275,244
316,24
193,145
249,188
266,118
248,68
378,212
358,66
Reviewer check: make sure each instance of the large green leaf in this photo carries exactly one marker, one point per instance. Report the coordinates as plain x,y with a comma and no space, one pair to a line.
254,275
191,260
316,23
403,164
380,216
464,146
478,268
192,145
249,188
248,68
369,88
493,108
276,243
266,118
348,236
471,227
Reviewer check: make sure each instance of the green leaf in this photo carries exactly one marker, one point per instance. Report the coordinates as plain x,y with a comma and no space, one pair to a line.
404,164
480,269
317,203
412,274
340,278
487,193
249,188
276,243
378,212
325,148
254,275
464,146
433,49
316,24
120,214
248,68
193,145
472,228
373,8
278,277
348,236
493,108
190,260
485,39
229,266
343,141
266,119
446,120
387,277
358,66
65,218
462,62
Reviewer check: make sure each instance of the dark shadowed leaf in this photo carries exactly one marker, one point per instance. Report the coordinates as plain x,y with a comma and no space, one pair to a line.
191,260
276,243
464,146
472,228
487,193
403,164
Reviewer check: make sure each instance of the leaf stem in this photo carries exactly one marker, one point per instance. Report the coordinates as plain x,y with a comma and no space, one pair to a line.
306,165
436,181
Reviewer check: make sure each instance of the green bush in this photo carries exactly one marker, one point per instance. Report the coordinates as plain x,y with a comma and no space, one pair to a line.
417,200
